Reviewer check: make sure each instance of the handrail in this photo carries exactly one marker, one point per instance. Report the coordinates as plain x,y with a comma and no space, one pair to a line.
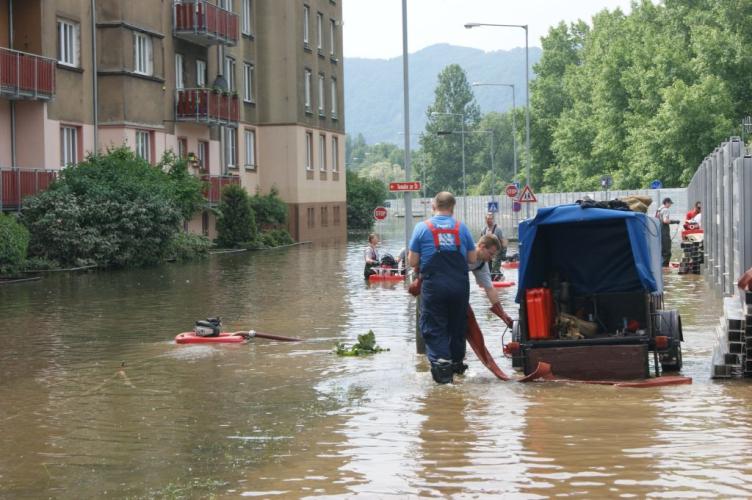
18,183
205,105
23,74
213,191
199,17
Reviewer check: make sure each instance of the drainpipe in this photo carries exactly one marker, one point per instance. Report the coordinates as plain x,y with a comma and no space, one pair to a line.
94,80
222,145
12,103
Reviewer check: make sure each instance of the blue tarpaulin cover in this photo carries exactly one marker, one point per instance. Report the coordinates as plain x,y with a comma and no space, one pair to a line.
596,250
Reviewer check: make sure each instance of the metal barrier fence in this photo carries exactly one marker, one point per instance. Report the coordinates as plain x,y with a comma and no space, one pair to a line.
16,184
477,206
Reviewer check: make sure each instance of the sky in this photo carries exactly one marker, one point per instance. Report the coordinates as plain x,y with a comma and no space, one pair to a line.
373,28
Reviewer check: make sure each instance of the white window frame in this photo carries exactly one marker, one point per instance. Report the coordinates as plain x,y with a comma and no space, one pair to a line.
143,56
335,153
200,73
309,150
321,103
230,73
231,148
68,34
226,4
332,37
334,97
68,145
202,154
307,89
306,19
179,73
320,31
322,152
143,144
248,70
247,18
250,148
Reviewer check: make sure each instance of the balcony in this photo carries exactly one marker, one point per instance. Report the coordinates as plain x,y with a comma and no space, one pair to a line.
16,184
207,106
26,76
215,183
203,23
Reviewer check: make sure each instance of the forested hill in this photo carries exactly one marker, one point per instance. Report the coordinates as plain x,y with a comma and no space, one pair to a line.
373,87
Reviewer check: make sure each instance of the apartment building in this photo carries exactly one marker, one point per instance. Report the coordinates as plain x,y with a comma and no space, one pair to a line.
251,91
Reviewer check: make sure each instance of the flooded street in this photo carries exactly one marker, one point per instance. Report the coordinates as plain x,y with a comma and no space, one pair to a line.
97,401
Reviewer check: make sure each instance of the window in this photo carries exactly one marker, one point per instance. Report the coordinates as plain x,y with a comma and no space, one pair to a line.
332,37
68,146
182,147
322,153
226,4
143,61
201,73
179,82
335,154
247,17
311,217
335,216
320,31
143,144
334,98
203,155
248,82
68,36
309,151
321,95
307,83
324,216
250,149
306,16
230,73
231,148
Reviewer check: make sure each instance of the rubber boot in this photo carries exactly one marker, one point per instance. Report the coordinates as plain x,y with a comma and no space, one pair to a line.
459,367
442,371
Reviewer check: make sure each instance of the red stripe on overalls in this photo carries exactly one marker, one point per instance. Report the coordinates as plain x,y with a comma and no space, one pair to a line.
437,231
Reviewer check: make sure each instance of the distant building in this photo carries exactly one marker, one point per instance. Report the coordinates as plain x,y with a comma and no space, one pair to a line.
251,90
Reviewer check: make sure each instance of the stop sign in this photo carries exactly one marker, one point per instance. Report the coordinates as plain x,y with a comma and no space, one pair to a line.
379,213
511,190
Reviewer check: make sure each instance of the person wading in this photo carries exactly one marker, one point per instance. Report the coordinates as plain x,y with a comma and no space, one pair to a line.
371,256
500,255
664,215
443,247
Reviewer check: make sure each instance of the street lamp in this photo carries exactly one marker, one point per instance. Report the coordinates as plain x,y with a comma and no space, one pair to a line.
464,184
491,135
527,94
514,119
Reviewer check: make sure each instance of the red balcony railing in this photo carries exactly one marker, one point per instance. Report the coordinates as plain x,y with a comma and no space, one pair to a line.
26,76
203,23
207,106
16,184
215,183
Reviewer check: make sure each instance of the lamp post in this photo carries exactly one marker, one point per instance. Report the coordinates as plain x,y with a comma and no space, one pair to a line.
514,119
464,184
491,135
527,95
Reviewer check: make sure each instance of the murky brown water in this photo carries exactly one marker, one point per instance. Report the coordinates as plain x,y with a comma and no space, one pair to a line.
292,420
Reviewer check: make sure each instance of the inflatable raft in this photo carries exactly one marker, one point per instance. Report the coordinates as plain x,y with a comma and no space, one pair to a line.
387,277
503,284
511,265
223,338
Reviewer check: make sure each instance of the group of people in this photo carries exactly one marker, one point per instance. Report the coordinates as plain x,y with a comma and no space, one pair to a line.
443,252
692,220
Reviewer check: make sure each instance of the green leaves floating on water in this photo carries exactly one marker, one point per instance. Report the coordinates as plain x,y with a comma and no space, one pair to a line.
366,345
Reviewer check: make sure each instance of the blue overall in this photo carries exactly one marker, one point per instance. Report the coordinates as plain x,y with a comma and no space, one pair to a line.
444,298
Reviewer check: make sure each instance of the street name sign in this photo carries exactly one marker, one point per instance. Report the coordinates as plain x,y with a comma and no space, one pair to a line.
404,186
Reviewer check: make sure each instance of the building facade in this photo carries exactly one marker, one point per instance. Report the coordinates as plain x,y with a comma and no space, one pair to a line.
251,91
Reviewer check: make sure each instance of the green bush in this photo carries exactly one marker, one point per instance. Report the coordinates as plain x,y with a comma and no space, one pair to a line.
276,238
363,195
270,211
236,223
112,210
188,246
14,242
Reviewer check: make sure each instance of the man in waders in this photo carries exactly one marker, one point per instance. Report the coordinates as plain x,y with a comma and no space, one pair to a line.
500,255
664,215
443,247
488,246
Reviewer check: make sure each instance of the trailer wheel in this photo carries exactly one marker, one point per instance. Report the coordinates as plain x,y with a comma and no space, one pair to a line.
670,325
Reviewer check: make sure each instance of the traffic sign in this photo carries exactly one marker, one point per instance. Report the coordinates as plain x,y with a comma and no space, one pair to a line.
516,206
493,206
404,186
527,196
606,181
656,184
512,190
379,213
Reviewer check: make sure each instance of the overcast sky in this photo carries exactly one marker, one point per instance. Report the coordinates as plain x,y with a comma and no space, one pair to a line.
373,28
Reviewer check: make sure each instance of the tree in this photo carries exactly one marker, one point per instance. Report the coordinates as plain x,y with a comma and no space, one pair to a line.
14,242
236,223
363,195
441,161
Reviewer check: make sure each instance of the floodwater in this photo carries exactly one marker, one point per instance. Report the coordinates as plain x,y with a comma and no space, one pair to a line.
96,400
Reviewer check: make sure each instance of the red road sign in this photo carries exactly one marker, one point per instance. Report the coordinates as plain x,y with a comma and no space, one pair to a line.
404,186
379,213
512,190
527,196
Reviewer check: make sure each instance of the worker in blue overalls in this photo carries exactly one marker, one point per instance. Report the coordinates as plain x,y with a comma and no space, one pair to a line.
443,247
